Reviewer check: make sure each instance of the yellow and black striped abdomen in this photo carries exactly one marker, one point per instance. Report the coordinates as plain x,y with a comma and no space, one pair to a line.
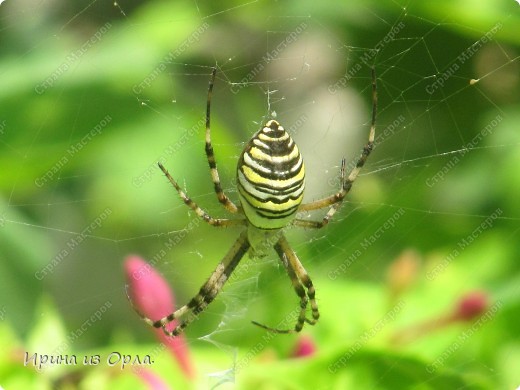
270,178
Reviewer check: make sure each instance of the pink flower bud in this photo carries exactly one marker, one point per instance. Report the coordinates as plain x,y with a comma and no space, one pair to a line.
471,306
152,296
305,346
153,381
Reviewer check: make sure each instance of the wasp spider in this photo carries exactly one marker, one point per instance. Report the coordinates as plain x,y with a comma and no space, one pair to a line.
270,181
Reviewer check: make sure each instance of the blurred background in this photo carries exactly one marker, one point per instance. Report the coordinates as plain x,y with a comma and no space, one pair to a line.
93,94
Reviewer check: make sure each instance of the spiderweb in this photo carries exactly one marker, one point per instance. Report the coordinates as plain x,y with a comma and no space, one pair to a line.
95,93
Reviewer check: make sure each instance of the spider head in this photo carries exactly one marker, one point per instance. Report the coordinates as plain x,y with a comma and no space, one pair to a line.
261,240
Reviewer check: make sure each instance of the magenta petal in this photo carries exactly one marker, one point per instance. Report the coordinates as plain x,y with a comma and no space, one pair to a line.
179,349
153,381
471,306
153,297
149,292
304,347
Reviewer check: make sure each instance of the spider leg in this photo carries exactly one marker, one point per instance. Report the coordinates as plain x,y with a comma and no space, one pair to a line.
200,212
336,200
222,197
300,281
207,292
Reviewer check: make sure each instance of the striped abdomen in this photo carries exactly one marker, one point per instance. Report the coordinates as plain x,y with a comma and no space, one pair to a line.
270,178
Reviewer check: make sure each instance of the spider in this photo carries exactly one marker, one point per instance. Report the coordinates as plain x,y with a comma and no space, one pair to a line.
270,183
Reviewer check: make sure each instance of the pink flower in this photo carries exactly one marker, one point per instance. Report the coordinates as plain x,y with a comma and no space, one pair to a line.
471,306
152,296
468,308
305,346
153,381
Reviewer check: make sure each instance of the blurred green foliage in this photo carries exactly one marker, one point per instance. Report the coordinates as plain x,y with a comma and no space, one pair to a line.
66,67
